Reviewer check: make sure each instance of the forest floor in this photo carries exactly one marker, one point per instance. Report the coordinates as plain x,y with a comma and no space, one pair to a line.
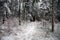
41,30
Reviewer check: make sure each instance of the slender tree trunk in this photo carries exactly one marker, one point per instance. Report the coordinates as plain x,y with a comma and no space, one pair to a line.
6,15
3,19
52,16
19,13
19,18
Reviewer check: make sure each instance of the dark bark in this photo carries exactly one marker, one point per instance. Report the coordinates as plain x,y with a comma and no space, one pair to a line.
32,20
19,17
52,15
3,19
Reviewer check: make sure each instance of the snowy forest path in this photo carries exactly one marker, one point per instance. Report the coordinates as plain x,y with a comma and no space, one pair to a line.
29,31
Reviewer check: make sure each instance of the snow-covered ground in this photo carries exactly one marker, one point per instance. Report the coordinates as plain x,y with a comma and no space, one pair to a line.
10,30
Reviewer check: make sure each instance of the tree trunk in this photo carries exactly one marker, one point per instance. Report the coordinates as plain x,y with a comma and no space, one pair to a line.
19,17
52,16
3,19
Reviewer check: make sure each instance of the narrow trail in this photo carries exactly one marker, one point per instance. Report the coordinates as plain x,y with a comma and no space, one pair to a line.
28,31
